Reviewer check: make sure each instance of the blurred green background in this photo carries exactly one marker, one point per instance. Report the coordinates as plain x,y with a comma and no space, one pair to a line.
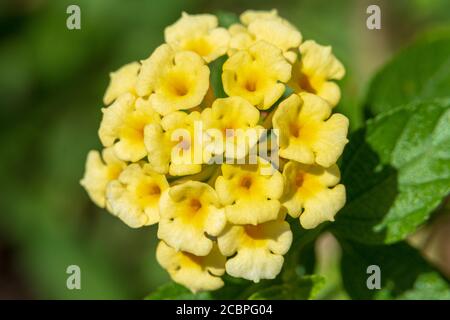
51,84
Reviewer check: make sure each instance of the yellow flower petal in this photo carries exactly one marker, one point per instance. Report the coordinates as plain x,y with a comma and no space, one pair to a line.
258,250
190,214
266,26
174,144
312,192
278,32
173,80
134,196
99,173
122,81
315,70
194,272
306,131
198,33
249,16
235,120
250,195
123,126
255,74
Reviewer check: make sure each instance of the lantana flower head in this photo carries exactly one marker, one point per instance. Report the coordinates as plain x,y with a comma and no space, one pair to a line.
215,139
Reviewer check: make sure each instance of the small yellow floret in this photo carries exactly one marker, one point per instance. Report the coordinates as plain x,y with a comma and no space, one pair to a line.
312,192
313,72
174,145
194,272
249,16
307,132
190,215
173,80
123,126
259,249
249,193
257,74
99,173
267,26
198,33
122,81
134,196
231,125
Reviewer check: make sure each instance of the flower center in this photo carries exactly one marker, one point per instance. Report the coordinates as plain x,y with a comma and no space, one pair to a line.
198,45
178,84
305,84
294,128
299,179
250,84
246,182
195,204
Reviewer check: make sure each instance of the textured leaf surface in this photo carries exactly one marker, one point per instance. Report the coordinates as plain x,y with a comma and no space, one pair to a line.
404,273
421,71
305,287
396,172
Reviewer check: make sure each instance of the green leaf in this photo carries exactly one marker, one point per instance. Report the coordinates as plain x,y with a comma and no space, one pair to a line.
173,291
396,171
227,18
306,287
216,76
404,274
428,286
421,71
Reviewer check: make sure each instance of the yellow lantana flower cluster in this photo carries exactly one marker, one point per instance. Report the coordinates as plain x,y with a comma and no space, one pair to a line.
177,155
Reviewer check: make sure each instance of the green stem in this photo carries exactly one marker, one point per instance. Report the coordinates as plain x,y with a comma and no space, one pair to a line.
301,240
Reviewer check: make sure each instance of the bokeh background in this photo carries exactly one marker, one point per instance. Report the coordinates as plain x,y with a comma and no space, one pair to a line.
51,84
